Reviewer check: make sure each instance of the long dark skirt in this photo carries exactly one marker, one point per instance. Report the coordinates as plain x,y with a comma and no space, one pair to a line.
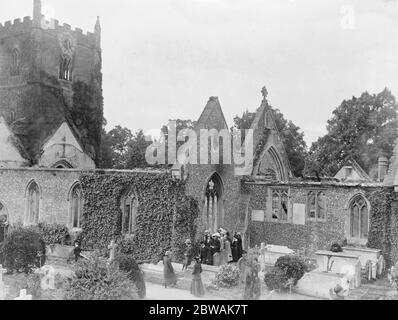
197,288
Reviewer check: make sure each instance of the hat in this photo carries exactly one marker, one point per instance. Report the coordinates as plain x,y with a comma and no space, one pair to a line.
216,234
188,241
167,253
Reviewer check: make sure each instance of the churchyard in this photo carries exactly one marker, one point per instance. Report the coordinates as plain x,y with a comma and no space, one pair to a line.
58,278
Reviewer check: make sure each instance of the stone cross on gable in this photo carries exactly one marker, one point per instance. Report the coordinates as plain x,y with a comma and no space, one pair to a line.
23,295
112,247
63,146
264,92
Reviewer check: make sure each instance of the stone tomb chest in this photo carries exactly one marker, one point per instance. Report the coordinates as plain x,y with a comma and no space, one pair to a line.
269,254
340,263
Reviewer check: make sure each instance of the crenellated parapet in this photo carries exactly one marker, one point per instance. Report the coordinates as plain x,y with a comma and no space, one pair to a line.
18,26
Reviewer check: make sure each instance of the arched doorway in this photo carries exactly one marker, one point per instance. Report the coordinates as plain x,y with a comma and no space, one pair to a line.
213,209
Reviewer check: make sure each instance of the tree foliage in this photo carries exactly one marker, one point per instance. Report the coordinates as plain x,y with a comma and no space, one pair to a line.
362,129
121,149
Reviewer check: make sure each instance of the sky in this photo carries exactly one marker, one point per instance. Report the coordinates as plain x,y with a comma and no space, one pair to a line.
163,59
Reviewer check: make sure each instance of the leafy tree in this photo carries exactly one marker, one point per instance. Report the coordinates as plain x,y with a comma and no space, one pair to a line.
115,147
137,147
361,128
291,136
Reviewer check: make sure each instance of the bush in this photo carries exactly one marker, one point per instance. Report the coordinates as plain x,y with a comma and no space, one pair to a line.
293,266
133,271
228,276
276,279
95,280
21,249
336,247
53,233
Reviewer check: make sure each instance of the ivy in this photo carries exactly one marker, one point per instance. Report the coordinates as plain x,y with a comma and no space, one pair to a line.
165,217
383,229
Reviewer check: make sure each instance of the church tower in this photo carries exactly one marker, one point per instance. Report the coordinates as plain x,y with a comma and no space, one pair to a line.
50,76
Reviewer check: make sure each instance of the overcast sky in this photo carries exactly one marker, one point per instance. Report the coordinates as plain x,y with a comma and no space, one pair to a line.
163,59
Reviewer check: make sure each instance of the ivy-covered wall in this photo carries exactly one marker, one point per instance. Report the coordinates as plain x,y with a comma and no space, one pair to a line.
383,233
312,236
166,215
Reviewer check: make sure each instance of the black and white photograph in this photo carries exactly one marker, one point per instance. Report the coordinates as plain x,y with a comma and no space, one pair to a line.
217,152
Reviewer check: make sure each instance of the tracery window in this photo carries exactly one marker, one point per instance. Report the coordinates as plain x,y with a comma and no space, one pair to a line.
280,200
359,217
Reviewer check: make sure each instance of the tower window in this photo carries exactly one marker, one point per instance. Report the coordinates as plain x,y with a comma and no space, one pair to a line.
65,68
15,62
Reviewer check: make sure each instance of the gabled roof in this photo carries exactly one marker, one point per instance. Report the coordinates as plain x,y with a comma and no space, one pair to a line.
63,130
212,116
350,162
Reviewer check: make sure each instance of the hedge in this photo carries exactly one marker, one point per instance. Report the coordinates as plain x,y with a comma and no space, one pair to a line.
165,217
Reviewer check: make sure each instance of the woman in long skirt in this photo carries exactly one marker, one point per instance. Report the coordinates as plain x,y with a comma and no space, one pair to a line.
170,278
197,288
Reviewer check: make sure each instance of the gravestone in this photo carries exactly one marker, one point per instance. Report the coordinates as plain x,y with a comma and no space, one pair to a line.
48,280
24,296
242,269
318,284
262,256
3,287
216,259
112,247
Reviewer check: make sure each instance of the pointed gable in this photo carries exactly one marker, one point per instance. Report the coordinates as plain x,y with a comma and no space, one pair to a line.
12,153
352,171
270,157
212,116
62,136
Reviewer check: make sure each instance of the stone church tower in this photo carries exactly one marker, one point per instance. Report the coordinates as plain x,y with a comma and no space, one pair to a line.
51,90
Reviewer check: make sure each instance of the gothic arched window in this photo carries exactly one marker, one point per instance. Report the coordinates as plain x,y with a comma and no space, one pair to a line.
33,206
65,68
75,206
15,62
359,217
280,204
129,206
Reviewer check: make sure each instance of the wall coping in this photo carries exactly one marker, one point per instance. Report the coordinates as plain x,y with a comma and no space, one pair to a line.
316,184
106,171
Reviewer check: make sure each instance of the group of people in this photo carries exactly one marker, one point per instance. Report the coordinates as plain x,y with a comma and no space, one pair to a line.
220,248
217,249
